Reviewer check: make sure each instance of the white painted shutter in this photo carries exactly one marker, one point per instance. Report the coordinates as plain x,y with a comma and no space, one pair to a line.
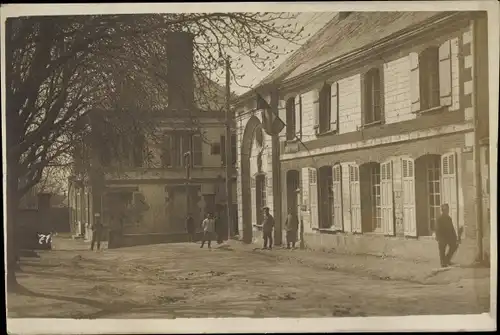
304,179
338,223
414,82
449,184
298,116
409,214
313,197
253,192
386,198
355,198
346,196
334,107
282,114
315,99
445,73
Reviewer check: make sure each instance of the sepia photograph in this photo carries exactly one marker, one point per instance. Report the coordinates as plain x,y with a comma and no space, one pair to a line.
250,167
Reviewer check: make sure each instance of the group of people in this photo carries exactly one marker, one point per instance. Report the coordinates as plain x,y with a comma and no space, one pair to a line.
446,236
211,226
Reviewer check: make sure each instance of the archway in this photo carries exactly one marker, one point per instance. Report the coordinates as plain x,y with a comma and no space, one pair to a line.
246,177
427,192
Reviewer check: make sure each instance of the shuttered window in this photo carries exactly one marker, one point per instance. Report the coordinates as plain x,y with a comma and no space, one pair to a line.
429,78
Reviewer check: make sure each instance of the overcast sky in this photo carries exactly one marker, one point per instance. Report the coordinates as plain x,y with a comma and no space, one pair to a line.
312,22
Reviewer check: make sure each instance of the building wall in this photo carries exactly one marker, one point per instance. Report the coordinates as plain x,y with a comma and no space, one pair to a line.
403,133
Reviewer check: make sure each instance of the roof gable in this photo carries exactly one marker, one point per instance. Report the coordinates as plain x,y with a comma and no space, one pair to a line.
342,36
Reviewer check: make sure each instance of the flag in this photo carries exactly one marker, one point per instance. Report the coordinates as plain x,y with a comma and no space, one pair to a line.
272,124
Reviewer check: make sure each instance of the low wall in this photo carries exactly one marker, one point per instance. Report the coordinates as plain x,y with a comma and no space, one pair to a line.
423,249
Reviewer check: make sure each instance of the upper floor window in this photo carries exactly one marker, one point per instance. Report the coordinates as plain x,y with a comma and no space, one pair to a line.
328,108
429,78
176,144
373,94
223,149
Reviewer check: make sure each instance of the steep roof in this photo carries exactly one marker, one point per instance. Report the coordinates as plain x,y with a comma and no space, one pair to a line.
342,36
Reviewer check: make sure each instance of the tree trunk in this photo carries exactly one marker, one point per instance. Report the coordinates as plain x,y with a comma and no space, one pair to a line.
12,209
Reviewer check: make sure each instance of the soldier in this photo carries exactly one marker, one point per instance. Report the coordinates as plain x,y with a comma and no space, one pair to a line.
208,226
446,236
96,233
267,229
190,227
291,227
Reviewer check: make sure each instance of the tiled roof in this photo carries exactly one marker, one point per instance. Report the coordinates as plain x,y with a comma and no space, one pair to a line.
342,36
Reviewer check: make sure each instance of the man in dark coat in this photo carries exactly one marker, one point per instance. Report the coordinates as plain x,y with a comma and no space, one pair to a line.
267,228
97,229
190,227
291,227
446,236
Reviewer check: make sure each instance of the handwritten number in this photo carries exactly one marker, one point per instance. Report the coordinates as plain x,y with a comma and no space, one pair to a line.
43,237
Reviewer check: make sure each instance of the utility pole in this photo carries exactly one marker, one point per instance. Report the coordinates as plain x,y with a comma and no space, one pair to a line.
229,156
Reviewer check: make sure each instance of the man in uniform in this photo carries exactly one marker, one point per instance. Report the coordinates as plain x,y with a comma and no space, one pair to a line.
446,236
267,228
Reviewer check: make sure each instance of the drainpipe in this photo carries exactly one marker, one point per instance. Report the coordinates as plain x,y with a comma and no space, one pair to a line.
476,151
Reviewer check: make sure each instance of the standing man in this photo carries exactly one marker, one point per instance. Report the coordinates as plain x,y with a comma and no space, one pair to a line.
96,233
190,227
267,228
446,236
208,226
291,227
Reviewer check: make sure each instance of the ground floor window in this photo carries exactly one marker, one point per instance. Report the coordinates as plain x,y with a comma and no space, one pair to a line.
433,191
325,187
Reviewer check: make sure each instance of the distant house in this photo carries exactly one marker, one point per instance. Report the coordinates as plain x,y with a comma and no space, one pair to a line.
379,110
149,195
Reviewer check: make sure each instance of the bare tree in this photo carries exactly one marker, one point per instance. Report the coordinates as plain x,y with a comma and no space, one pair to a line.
63,69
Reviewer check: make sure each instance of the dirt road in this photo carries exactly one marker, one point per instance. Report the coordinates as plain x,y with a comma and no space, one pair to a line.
182,280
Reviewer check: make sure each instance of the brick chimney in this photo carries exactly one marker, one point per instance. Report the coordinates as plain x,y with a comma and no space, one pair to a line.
180,71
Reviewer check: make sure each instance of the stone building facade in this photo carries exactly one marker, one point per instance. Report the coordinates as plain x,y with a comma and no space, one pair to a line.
146,198
380,113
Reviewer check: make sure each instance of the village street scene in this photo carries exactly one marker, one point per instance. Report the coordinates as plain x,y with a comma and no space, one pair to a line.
248,164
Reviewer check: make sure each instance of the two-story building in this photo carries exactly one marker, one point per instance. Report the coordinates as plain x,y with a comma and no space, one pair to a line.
385,113
147,198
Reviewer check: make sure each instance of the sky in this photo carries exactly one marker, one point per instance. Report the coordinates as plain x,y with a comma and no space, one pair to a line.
312,22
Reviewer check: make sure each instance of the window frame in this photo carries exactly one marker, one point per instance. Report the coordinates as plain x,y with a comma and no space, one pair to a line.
373,91
428,60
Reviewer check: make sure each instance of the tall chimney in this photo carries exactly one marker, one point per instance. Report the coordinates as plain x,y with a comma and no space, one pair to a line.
180,71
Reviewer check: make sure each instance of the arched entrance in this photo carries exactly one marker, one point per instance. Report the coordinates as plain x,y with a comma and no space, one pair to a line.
246,176
427,193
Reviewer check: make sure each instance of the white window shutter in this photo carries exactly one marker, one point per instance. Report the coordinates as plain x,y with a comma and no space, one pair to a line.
409,204
449,193
313,197
387,198
338,222
414,82
253,197
315,99
334,107
354,190
445,73
298,116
